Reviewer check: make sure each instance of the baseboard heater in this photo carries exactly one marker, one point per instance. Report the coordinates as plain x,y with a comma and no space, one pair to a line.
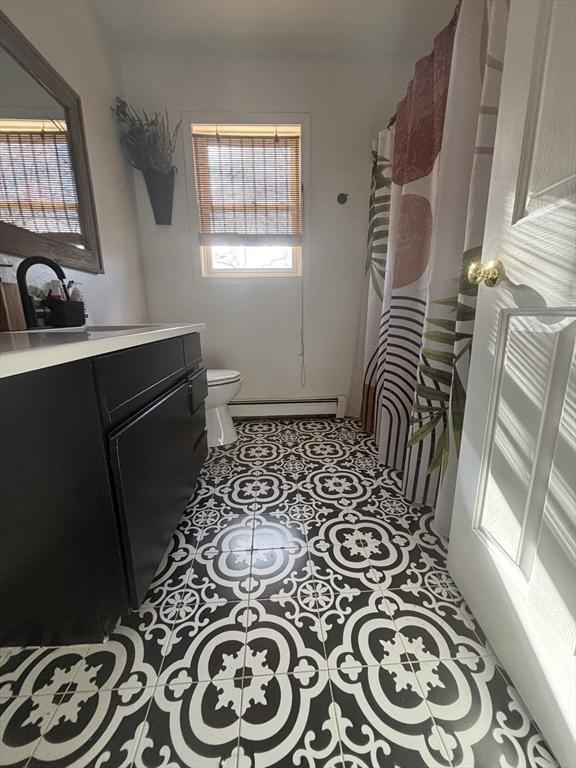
317,406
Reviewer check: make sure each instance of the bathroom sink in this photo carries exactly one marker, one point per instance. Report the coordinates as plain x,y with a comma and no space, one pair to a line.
94,328
110,328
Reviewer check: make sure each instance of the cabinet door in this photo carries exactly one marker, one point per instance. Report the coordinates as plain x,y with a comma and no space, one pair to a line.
130,379
153,463
61,571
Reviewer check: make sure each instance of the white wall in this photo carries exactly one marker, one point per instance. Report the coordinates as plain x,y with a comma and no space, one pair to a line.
68,36
254,324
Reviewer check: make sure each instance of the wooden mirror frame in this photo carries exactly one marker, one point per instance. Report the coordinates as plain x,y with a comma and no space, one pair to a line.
21,242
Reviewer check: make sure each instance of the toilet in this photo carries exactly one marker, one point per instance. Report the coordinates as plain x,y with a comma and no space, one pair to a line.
223,385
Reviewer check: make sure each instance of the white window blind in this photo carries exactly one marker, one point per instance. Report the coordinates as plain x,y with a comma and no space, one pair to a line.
248,184
37,186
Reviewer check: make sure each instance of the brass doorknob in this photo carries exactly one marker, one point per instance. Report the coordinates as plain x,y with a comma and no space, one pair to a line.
490,273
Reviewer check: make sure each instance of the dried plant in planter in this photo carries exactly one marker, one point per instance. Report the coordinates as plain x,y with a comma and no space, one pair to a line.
149,145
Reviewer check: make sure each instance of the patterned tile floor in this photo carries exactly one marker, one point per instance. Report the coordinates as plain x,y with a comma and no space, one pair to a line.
303,616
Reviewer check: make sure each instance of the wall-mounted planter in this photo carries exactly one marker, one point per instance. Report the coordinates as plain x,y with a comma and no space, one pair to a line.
160,188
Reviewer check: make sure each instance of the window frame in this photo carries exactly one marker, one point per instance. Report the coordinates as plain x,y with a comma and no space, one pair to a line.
204,270
22,242
208,270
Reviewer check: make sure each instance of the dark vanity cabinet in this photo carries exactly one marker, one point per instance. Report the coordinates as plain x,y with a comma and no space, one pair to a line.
61,571
97,461
154,412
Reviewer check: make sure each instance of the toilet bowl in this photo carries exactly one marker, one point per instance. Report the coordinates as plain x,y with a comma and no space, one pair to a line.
223,385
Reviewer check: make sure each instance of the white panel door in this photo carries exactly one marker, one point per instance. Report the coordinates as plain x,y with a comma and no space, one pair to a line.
513,539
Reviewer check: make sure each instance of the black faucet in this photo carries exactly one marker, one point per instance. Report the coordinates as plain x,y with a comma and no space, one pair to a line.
27,301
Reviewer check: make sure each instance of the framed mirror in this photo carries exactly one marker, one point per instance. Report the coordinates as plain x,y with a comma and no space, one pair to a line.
46,198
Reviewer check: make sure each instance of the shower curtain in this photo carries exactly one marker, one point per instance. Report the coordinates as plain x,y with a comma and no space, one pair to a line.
430,180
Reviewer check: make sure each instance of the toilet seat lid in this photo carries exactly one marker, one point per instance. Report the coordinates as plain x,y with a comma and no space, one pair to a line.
217,376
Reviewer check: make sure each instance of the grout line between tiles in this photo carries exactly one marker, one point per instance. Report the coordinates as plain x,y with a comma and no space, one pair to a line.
332,700
143,723
156,682
438,727
46,728
76,666
336,718
250,598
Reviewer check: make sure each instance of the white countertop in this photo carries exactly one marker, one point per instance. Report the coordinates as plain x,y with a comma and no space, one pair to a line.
23,351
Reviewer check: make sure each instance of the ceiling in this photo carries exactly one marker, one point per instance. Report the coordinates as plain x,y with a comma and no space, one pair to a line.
304,27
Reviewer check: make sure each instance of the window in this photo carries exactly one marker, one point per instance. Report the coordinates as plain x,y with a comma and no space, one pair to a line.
249,195
37,188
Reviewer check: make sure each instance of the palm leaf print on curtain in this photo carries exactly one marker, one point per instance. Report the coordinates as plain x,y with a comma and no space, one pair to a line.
378,221
378,224
434,173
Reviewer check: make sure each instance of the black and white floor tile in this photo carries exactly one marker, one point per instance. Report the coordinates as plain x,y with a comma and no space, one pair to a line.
302,616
